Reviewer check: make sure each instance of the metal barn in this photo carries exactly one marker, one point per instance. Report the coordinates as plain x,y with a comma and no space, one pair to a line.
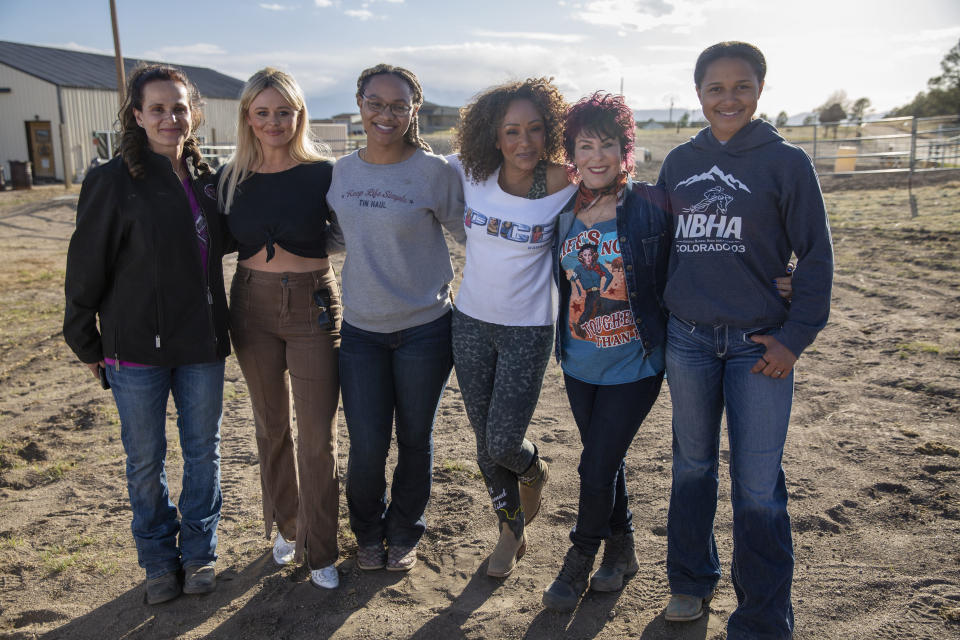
58,108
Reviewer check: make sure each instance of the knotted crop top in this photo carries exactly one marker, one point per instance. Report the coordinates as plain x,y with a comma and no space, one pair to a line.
288,208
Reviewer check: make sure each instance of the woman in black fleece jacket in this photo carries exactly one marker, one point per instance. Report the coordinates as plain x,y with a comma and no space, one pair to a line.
144,260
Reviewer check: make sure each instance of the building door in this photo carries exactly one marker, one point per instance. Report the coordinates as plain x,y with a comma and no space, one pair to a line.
40,145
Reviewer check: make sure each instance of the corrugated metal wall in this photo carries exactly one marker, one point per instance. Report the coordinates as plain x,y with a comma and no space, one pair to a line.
29,99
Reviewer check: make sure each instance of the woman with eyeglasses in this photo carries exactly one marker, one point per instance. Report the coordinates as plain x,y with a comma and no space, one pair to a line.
392,199
285,316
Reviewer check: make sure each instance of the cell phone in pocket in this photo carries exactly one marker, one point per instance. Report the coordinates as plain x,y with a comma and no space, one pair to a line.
321,298
102,374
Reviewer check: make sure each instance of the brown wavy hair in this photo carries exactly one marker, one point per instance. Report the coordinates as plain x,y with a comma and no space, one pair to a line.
412,135
133,139
476,137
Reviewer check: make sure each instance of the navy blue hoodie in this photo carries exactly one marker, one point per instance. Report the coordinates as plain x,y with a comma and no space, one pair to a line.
741,209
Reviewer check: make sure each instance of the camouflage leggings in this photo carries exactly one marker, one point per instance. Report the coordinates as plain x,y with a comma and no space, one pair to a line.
500,371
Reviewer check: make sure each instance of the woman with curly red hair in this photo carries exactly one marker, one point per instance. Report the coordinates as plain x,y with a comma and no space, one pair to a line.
610,254
510,153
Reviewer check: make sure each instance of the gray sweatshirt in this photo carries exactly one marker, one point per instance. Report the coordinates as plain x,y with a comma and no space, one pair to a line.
388,217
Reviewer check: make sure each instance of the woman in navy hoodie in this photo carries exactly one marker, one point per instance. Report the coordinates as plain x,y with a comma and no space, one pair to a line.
745,200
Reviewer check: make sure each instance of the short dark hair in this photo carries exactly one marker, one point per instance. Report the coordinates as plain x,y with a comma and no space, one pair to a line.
606,115
732,49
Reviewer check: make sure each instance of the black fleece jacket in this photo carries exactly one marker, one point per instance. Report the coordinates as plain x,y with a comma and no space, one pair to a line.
134,262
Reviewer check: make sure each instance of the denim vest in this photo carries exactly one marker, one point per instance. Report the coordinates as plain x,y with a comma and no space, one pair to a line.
645,231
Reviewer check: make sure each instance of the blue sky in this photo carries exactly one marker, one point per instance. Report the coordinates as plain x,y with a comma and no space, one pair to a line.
884,50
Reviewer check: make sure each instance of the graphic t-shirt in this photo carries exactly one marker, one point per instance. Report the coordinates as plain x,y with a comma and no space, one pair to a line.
600,343
507,274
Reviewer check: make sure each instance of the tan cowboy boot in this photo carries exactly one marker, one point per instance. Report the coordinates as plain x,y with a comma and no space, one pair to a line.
532,482
505,555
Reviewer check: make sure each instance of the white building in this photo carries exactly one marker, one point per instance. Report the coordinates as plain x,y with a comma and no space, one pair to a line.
58,105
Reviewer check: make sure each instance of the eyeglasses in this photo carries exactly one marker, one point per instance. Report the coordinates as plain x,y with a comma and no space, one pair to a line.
398,109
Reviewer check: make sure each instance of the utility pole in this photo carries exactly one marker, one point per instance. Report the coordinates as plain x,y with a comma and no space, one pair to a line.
670,119
621,85
118,57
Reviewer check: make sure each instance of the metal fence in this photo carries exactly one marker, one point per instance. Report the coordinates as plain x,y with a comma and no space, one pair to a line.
881,146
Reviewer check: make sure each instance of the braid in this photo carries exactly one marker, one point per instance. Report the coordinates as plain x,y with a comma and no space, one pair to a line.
191,149
412,135
132,145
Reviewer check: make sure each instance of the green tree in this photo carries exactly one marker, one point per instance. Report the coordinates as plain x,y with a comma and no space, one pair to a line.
830,116
859,109
950,67
943,95
782,118
764,116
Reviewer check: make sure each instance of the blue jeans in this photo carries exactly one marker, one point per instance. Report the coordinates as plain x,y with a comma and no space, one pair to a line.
141,395
608,417
382,376
708,368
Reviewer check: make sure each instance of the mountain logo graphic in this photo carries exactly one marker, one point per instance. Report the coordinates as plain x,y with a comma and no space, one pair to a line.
713,175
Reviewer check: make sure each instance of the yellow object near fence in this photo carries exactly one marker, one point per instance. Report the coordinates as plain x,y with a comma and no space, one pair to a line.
846,159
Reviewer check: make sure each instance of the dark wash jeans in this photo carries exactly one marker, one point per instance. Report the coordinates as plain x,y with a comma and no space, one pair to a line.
708,369
386,376
608,417
141,395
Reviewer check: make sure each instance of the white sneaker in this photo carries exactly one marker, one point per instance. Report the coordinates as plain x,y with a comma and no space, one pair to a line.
326,578
283,550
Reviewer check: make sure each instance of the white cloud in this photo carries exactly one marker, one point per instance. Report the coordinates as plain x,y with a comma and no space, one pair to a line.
641,15
362,14
529,35
277,7
199,49
323,3
929,35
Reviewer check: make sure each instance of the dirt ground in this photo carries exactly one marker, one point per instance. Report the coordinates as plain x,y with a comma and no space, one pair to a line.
872,465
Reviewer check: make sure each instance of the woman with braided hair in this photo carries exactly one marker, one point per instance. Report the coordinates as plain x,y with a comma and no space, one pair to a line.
510,143
144,261
392,199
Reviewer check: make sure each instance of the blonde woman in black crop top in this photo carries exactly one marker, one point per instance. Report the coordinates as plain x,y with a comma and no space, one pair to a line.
285,316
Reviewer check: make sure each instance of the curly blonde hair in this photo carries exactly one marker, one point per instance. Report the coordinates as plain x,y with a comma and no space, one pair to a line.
476,137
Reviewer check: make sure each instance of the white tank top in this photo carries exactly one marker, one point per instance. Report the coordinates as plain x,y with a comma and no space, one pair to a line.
507,278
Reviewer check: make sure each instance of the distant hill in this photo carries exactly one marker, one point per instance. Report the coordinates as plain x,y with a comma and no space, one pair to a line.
662,115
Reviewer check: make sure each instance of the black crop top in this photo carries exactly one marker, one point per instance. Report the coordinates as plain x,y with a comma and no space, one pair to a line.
288,208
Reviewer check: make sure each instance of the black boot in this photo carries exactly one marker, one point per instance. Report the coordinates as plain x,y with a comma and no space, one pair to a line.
619,561
564,593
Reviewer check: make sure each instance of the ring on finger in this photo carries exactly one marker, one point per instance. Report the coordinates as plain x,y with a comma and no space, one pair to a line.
778,373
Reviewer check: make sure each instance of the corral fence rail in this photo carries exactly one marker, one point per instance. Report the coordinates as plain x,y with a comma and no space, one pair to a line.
888,145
